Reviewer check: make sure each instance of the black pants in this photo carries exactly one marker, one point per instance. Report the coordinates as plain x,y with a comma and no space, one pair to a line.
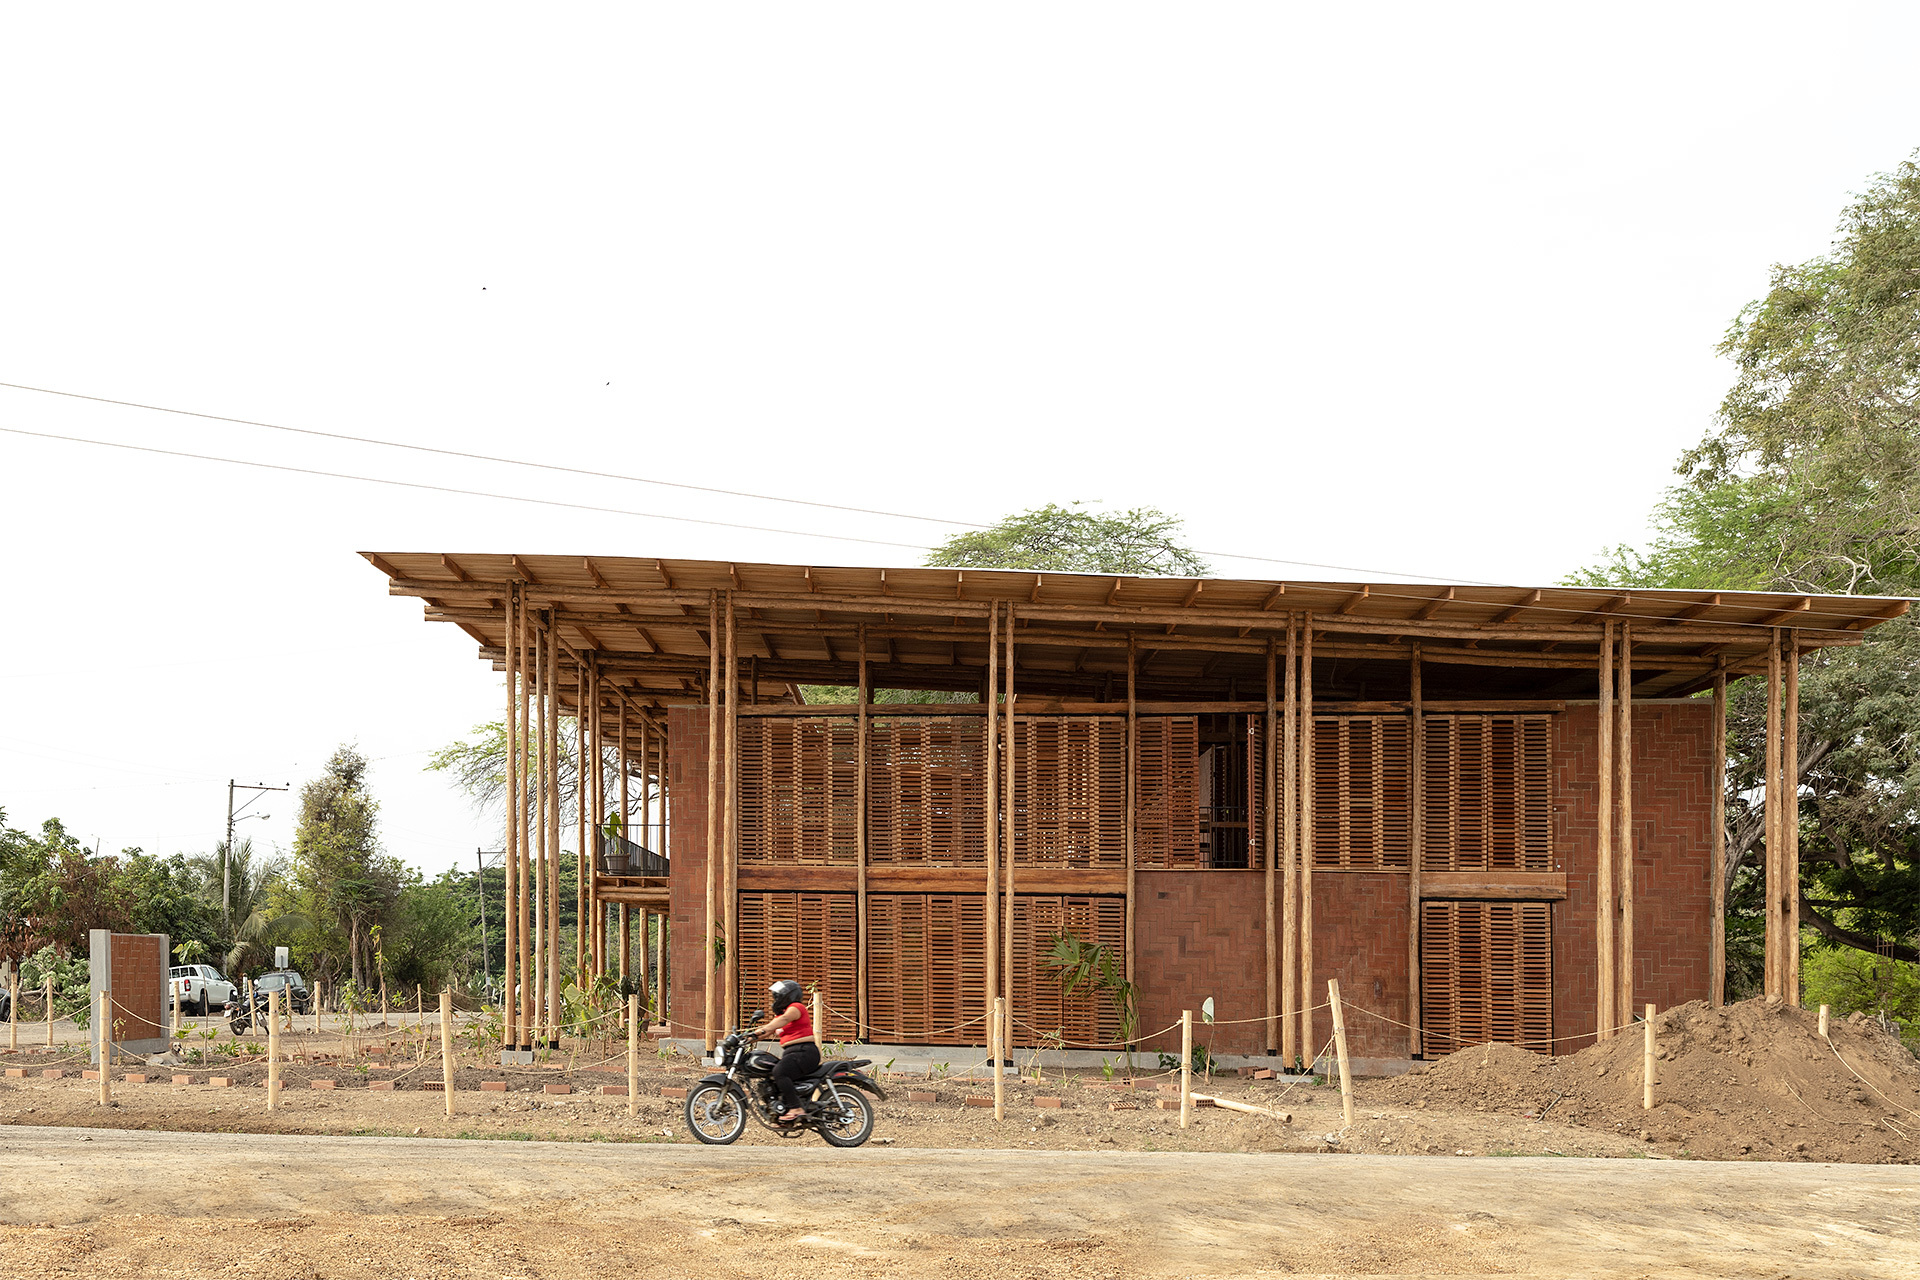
801,1059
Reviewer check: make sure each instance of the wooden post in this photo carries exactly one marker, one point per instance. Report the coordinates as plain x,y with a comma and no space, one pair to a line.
861,1015
50,1010
626,831
1186,1065
1717,846
1790,821
446,1048
992,760
1010,843
1306,833
1340,1050
1646,1066
250,1010
273,1050
106,1047
1271,853
537,722
13,1010
529,977
551,735
583,865
510,862
1133,801
1416,850
730,819
1624,844
1823,1022
709,969
1606,1007
1290,985
995,1047
633,1055
1775,801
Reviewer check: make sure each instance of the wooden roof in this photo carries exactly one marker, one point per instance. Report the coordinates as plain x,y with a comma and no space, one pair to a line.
647,622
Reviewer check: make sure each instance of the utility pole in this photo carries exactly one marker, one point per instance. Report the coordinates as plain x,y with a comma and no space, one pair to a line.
226,858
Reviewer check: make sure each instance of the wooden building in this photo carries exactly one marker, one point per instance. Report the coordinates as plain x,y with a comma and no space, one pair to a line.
1492,813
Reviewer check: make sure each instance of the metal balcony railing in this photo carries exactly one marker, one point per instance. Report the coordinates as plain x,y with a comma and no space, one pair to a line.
619,856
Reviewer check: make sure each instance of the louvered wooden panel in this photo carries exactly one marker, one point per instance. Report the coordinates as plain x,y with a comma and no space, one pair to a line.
927,792
1486,973
797,791
1087,1017
1166,829
1070,792
927,968
1489,793
809,937
1362,791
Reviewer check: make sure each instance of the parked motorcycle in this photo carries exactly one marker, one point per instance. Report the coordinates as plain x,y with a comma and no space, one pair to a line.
240,1019
837,1109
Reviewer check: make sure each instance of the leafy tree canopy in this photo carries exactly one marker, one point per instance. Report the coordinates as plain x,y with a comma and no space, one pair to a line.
1054,539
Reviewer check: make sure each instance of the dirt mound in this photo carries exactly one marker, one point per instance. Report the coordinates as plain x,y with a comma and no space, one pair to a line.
1750,1081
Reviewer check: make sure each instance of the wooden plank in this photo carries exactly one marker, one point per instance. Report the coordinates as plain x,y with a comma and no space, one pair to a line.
1520,886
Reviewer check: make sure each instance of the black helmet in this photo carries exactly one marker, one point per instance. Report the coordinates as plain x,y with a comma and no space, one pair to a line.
784,993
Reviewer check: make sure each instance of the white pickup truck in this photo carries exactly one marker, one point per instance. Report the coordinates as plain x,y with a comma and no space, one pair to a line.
200,988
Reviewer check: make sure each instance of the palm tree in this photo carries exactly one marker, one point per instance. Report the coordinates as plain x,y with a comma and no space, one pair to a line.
256,927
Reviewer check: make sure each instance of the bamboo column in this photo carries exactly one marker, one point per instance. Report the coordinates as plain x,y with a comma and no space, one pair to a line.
1010,842
1790,819
1307,1041
860,842
1717,845
542,926
1416,852
1290,852
1624,843
529,976
510,863
550,753
731,816
1775,801
1133,799
626,829
992,759
1272,854
583,865
709,963
1606,1007
647,842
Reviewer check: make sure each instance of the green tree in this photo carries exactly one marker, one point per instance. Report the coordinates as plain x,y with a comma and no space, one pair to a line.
1810,482
1142,541
345,884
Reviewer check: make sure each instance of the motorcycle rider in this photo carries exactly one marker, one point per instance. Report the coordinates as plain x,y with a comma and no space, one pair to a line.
800,1056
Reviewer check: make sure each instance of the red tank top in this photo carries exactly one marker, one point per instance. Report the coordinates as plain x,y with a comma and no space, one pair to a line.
801,1028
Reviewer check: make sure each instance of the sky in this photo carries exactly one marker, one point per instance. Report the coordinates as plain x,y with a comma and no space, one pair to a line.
1414,290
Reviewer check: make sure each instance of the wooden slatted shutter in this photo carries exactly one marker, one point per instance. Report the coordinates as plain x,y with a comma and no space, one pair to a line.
1070,792
927,792
1087,1017
1486,973
927,970
797,792
1362,792
1489,793
809,937
1166,830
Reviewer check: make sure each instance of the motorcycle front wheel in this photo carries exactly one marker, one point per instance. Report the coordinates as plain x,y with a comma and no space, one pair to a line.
716,1115
854,1124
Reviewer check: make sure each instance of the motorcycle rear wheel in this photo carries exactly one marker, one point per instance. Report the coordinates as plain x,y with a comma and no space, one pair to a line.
853,1128
715,1115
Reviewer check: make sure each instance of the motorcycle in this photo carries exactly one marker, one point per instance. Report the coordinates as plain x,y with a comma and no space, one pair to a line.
240,1018
836,1107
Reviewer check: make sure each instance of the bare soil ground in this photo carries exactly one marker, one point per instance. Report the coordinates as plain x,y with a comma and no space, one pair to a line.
112,1203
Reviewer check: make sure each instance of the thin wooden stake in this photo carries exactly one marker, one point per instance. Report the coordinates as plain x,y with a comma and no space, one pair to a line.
1646,1066
994,1049
446,1048
819,1017
1186,1065
106,1047
50,1010
633,1056
1823,1022
13,1011
273,1050
1340,1049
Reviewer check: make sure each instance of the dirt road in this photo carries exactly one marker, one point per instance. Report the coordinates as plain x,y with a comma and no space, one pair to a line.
113,1203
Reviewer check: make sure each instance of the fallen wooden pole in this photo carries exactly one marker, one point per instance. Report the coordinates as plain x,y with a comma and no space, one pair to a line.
446,1048
1215,1100
1646,1066
1186,1065
1340,1048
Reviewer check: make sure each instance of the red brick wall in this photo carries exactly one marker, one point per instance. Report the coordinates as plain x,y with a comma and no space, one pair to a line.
1672,796
691,962
1200,934
1360,937
139,976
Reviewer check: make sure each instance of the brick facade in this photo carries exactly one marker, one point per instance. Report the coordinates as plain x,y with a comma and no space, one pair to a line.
1201,933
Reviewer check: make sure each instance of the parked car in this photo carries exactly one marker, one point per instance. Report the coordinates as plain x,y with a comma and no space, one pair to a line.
200,988
288,981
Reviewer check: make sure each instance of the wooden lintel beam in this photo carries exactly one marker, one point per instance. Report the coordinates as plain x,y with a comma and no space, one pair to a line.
1897,609
453,566
1776,619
